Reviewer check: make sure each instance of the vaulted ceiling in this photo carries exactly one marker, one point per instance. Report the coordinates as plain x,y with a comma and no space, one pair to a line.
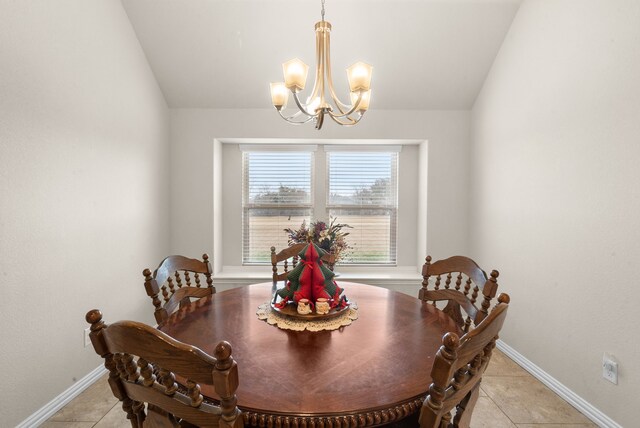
431,54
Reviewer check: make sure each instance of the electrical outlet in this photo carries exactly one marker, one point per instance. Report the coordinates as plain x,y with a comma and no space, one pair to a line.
87,339
610,368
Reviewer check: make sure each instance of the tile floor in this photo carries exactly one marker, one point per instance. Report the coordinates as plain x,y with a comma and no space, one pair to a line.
510,398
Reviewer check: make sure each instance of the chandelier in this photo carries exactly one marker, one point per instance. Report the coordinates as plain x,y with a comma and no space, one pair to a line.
317,105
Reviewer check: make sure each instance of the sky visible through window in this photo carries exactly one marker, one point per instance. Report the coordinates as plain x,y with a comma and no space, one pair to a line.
275,174
350,173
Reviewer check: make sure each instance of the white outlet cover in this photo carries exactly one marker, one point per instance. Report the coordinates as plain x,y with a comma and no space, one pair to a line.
610,369
87,339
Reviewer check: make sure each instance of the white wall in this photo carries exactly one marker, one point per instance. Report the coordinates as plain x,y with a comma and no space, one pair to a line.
193,132
556,191
84,189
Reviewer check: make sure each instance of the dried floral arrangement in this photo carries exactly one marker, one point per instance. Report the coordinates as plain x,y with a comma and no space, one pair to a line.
330,238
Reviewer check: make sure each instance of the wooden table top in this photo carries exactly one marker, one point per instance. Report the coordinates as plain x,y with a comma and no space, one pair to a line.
376,369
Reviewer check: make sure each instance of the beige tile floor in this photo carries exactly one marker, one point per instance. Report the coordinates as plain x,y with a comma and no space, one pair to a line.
510,398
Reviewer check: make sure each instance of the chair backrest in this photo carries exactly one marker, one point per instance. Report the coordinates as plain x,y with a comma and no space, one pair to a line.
173,278
143,364
459,280
457,371
291,253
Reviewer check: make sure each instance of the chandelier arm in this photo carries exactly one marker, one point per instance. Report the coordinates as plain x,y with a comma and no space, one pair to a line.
322,64
327,54
289,119
320,120
351,121
355,106
301,107
339,104
293,116
319,77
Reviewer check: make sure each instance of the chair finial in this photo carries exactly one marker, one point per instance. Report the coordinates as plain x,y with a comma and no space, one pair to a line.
504,298
93,316
451,341
223,351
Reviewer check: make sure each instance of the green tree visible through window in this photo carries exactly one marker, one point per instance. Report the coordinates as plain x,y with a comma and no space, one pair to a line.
375,194
284,194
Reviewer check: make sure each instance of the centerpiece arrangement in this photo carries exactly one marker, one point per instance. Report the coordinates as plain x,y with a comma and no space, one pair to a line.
311,290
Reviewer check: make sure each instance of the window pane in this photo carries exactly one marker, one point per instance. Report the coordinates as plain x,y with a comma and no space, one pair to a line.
277,194
362,178
373,236
362,192
265,228
277,178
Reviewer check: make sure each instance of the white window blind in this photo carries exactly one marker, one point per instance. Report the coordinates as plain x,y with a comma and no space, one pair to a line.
362,192
277,194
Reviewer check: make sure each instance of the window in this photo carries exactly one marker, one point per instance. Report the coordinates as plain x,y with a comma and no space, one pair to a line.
362,192
361,188
277,193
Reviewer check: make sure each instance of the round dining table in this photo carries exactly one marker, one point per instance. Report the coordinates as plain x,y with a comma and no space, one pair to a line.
374,371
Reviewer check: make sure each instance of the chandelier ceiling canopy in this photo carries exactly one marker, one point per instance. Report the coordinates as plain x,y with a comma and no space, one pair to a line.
318,104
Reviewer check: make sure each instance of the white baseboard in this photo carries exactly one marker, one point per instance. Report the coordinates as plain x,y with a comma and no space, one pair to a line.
61,400
584,407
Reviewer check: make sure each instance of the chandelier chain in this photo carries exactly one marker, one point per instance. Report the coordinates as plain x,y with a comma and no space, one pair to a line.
322,11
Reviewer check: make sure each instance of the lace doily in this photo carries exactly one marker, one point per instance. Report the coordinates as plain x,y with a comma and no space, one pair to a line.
284,322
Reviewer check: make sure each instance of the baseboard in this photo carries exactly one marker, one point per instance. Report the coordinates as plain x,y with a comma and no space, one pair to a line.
584,407
61,400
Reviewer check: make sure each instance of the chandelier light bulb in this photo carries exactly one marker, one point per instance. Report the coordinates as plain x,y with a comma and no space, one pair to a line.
313,104
364,102
295,74
359,75
279,95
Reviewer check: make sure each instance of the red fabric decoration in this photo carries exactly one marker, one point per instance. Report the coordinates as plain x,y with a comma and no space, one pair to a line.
311,280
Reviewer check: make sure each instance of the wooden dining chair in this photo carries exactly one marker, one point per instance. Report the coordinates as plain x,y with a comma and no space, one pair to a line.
290,257
459,282
173,278
457,372
143,364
